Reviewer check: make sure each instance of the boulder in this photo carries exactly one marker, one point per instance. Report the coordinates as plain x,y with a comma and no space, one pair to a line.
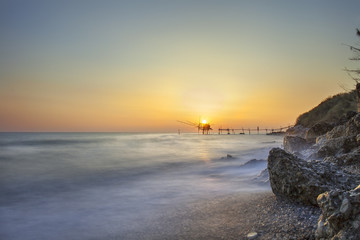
297,130
341,140
350,128
331,139
262,178
317,130
295,144
303,181
336,146
349,159
336,132
340,217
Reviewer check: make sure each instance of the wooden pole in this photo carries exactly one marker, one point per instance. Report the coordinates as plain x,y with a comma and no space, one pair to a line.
358,96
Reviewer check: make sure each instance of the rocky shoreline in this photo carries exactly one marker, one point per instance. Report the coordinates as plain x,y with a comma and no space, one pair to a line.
320,166
233,217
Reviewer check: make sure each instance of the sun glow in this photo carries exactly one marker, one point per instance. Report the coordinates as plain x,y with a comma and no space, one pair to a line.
204,121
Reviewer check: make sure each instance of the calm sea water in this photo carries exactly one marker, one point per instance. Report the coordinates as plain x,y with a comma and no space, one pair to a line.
102,185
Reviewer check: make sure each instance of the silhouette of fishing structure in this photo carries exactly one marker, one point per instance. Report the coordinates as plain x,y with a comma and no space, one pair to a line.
268,131
202,126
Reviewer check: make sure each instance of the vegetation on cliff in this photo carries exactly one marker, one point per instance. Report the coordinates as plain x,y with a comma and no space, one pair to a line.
333,108
330,110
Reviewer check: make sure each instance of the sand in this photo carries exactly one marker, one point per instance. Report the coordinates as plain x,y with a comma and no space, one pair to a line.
232,217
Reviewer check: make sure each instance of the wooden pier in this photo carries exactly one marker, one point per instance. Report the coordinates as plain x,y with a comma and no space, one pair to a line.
269,131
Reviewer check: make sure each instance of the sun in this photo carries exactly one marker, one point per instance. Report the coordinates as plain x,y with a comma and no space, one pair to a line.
204,121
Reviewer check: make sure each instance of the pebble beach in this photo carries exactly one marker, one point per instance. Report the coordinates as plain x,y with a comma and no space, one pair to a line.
234,217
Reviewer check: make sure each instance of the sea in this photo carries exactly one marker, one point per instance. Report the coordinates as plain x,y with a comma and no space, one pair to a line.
105,185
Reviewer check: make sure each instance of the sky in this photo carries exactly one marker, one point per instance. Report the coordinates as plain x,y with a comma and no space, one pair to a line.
139,66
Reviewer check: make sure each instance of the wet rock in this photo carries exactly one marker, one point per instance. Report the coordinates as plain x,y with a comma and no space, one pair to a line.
350,128
341,146
337,146
331,160
340,217
303,181
262,177
349,159
228,156
297,130
341,140
254,163
294,144
317,130
321,140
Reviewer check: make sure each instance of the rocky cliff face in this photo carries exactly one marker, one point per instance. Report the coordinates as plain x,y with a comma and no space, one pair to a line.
337,143
317,130
340,217
341,140
320,165
295,144
303,181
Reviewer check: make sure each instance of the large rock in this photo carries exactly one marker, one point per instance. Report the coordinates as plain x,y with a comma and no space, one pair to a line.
337,146
331,139
317,130
341,140
349,129
295,144
340,217
349,161
262,178
303,181
297,130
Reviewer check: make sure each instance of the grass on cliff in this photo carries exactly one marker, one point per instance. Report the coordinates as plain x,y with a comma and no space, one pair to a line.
330,110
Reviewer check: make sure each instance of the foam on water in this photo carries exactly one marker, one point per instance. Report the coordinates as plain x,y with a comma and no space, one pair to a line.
97,185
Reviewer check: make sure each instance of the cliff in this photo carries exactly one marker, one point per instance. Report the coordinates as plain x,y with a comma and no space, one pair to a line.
320,165
330,110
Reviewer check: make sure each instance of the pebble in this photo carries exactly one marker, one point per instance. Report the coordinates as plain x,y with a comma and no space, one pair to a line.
252,235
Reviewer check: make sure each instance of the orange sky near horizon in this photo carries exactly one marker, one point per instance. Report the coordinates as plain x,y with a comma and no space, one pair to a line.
129,67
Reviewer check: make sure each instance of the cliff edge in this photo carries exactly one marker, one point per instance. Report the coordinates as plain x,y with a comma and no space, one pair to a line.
320,166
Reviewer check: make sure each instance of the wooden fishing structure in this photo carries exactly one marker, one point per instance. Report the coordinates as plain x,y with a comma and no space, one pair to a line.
202,126
358,96
268,131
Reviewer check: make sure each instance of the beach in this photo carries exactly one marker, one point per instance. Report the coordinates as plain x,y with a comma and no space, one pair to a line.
233,217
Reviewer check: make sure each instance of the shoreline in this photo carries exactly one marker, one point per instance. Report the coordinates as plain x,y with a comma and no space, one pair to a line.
233,217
